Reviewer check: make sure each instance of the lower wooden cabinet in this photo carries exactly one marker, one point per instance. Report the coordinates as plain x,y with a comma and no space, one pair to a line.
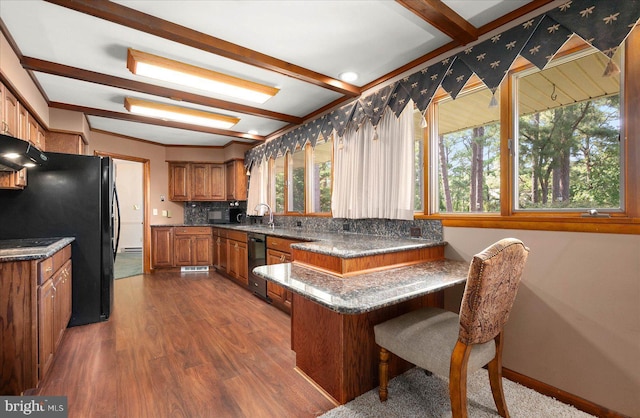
16,180
54,313
238,267
181,246
161,247
279,251
35,300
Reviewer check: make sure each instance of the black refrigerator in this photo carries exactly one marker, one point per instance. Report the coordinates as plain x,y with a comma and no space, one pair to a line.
71,196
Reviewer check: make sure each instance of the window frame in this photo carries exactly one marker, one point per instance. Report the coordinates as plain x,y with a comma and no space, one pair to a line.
626,221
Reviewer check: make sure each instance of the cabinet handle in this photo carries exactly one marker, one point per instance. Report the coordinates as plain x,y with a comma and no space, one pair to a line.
5,127
282,258
48,269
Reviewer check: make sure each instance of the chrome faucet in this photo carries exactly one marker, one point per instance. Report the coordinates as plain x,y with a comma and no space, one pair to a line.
271,225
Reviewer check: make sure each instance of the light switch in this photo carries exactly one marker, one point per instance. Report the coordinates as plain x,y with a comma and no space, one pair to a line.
164,213
136,207
155,212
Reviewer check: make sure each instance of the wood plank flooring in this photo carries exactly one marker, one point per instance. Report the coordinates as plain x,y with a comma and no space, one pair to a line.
183,345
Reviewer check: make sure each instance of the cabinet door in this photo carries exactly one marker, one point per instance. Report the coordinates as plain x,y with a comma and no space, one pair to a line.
46,324
232,267
202,251
182,250
162,247
280,297
223,254
236,180
243,263
179,189
218,190
200,181
16,180
9,110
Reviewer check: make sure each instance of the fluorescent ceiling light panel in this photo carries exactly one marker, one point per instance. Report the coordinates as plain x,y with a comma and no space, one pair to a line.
179,114
165,69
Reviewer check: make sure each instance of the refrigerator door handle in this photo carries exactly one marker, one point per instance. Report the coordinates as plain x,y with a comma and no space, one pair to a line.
117,232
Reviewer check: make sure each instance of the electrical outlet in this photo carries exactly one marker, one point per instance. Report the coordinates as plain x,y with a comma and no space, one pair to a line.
298,223
345,226
415,232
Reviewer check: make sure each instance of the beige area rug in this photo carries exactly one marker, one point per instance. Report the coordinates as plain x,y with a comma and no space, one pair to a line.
414,394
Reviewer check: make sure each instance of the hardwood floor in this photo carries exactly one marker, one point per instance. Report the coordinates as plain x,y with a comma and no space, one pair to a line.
190,345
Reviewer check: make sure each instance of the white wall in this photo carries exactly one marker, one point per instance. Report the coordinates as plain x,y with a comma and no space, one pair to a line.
129,184
575,324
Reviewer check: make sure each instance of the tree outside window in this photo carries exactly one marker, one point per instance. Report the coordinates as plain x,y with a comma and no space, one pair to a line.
569,153
468,154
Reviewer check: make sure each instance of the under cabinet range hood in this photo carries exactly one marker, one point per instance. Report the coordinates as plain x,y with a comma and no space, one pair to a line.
16,154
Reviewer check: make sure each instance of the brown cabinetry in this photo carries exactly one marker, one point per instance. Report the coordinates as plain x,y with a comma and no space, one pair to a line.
193,246
179,181
54,309
181,246
35,300
279,251
237,266
236,180
189,181
161,247
66,143
8,112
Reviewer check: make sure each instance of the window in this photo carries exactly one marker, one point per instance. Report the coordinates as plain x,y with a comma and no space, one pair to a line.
466,153
320,187
568,142
296,181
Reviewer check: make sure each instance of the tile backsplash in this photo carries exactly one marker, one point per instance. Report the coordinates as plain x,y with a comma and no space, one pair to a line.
195,213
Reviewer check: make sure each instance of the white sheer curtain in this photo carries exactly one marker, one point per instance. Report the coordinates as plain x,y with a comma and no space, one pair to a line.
258,183
374,178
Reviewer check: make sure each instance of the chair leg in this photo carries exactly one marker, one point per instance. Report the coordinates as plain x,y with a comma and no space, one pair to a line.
383,372
495,378
458,380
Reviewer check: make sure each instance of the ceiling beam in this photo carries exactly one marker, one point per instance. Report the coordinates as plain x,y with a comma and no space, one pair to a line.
137,20
443,18
153,121
42,66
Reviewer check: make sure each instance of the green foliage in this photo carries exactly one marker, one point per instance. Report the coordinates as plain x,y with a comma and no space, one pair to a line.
569,157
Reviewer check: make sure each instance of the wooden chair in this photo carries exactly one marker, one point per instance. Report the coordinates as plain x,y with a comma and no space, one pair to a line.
453,345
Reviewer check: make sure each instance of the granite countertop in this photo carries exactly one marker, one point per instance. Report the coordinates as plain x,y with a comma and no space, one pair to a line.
369,291
345,245
31,248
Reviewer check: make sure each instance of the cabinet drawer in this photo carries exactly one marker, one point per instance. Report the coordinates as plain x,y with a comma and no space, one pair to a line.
280,244
61,257
237,236
193,230
45,270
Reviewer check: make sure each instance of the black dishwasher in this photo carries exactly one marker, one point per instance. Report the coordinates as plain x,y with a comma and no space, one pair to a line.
257,253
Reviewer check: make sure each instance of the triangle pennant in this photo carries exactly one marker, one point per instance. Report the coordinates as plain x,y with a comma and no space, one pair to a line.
491,59
547,39
456,77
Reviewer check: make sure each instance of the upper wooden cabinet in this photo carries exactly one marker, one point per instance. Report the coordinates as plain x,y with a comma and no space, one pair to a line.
195,181
8,112
236,180
179,182
64,142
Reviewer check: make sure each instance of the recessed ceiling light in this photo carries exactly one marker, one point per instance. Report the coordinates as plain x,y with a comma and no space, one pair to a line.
348,76
11,155
253,132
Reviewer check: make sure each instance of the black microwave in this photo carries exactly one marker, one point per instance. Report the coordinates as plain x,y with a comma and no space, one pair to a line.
224,216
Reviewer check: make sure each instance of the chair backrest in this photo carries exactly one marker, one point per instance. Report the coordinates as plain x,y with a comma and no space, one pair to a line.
492,284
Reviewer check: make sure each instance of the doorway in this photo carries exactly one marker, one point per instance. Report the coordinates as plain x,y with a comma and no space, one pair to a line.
128,177
133,179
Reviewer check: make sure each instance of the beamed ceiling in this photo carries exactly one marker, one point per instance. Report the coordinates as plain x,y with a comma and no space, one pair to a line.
76,52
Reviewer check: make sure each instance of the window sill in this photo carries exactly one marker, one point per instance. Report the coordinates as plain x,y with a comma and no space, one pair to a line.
617,224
